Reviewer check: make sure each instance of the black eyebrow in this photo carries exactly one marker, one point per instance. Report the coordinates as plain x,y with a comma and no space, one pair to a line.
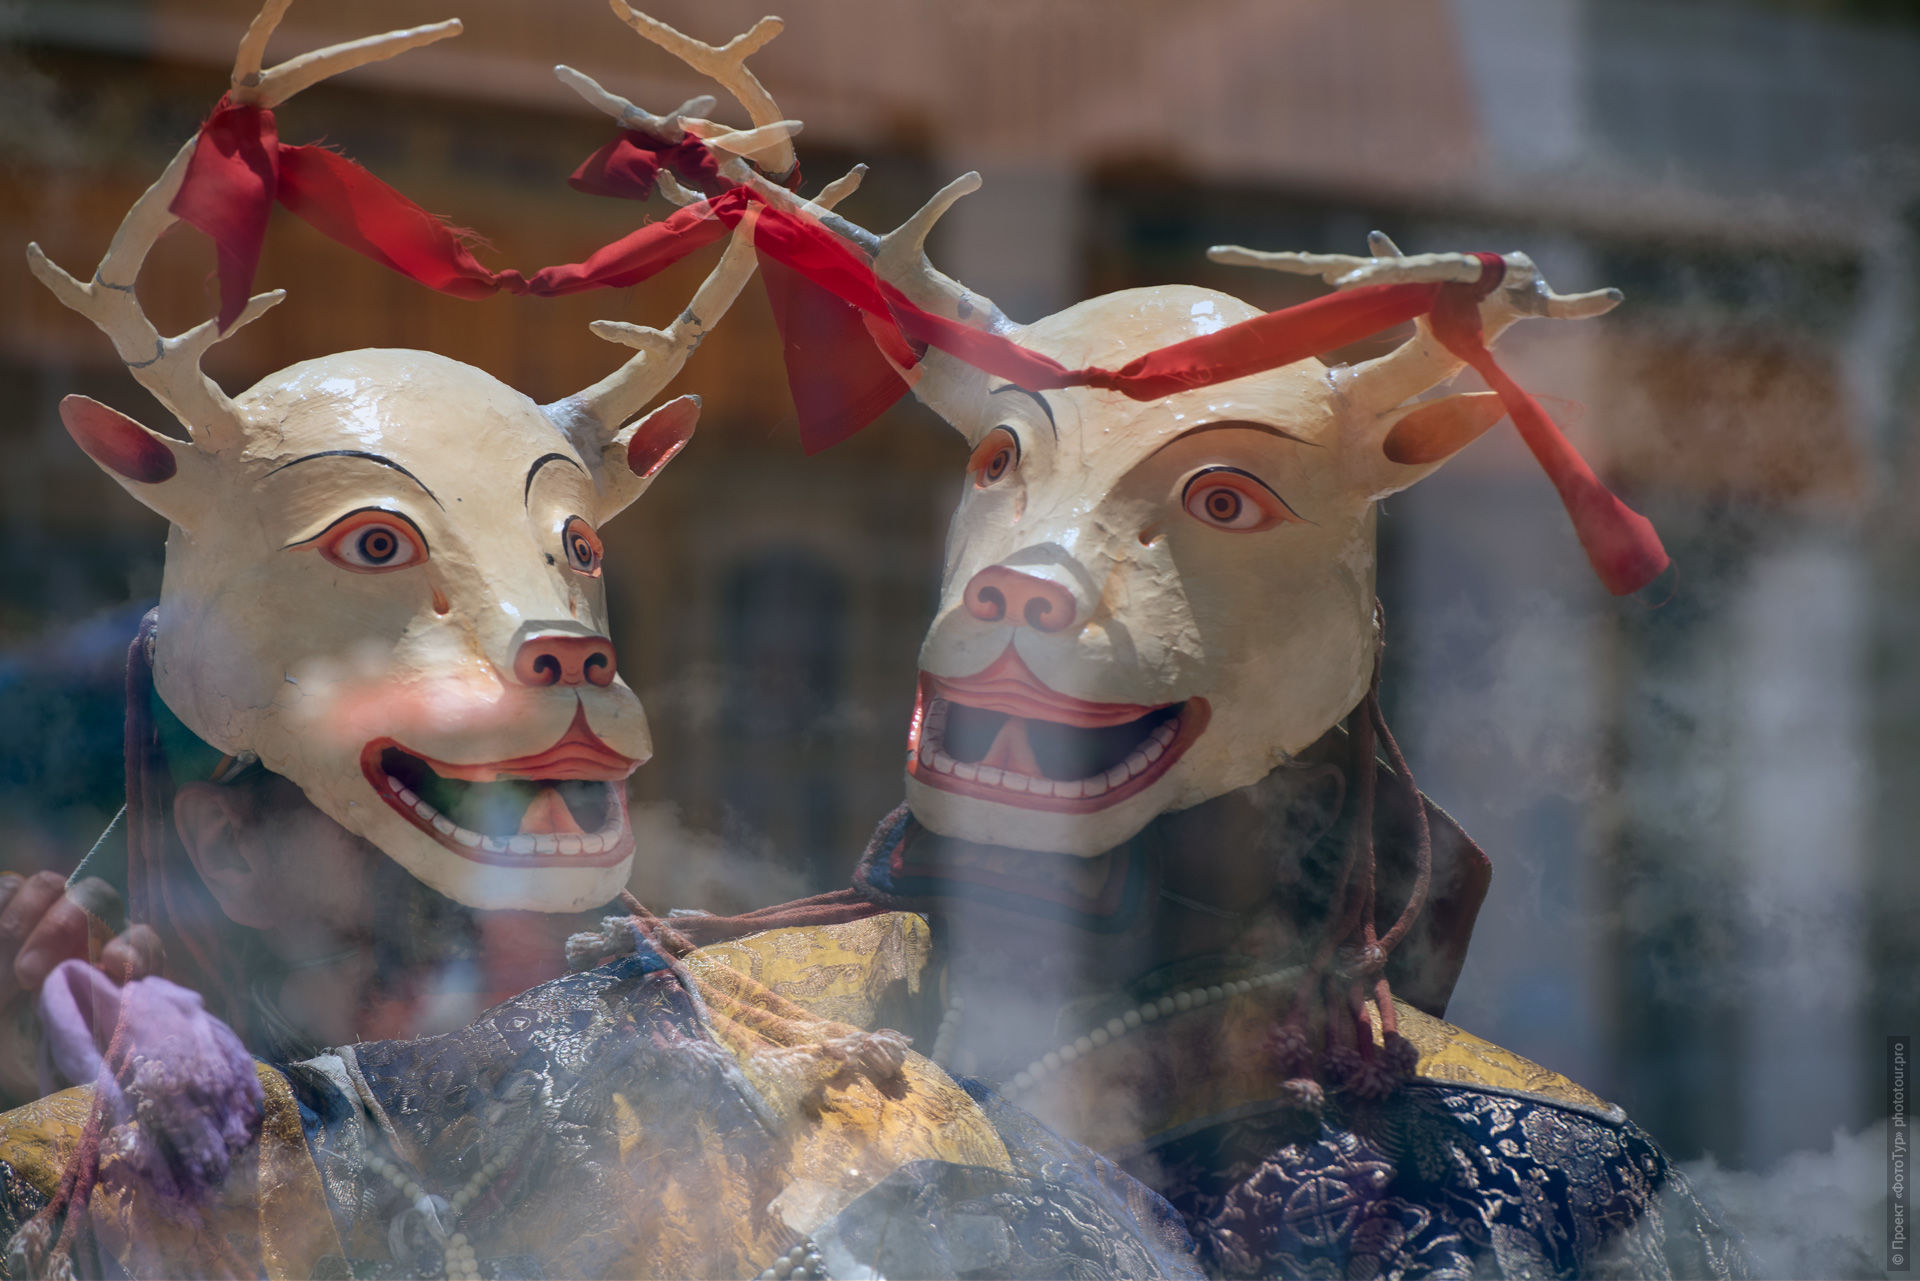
1036,398
372,458
540,462
1240,424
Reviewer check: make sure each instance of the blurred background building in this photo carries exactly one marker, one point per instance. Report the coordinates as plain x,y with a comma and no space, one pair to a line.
1700,813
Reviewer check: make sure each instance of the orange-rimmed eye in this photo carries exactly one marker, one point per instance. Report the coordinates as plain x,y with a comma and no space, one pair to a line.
1228,498
583,546
372,541
994,457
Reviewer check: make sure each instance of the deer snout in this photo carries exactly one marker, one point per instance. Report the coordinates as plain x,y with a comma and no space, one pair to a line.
997,594
555,659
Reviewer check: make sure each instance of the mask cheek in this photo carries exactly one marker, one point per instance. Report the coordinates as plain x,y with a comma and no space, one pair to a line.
1226,758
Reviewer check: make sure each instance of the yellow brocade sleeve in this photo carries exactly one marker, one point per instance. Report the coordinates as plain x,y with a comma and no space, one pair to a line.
295,1226
1451,1054
862,972
36,1138
839,978
271,1204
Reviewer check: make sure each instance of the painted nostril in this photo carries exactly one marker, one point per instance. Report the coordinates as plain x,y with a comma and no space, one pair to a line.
997,592
987,604
565,660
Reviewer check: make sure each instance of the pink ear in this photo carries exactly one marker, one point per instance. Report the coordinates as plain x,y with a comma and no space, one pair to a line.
1437,430
661,435
116,442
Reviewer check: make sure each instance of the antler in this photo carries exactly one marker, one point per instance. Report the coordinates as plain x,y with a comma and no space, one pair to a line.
726,67
901,259
1382,384
594,416
900,256
170,367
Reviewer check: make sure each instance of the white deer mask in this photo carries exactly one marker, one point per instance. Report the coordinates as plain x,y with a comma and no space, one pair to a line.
1147,604
383,577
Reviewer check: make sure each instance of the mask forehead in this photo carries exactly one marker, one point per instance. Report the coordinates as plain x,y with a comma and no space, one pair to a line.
1115,328
450,425
1096,437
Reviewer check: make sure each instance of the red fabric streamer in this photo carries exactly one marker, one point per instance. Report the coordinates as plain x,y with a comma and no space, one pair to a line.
849,337
1620,543
629,167
239,168
647,251
228,192
840,379
346,203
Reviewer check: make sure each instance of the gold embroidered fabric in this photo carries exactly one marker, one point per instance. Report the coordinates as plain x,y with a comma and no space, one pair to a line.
37,1137
856,974
272,1203
864,972
858,1130
1449,1054
296,1228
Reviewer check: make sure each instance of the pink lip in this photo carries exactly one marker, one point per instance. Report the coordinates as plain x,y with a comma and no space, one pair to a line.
578,753
1009,687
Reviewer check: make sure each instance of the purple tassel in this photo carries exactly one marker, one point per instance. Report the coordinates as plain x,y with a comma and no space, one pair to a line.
183,1098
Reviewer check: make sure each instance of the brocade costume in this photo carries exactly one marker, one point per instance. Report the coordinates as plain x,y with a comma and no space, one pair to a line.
619,1123
1482,1164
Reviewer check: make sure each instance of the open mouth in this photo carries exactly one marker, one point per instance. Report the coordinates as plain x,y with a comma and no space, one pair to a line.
563,807
1004,736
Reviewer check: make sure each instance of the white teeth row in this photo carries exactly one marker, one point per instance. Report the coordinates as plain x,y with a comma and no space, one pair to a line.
526,843
933,735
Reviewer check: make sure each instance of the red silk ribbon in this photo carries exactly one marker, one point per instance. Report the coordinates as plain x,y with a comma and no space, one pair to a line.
1620,543
849,336
629,167
239,168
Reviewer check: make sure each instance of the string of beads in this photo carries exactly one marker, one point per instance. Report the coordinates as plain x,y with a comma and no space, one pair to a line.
459,1262
1113,1029
801,1261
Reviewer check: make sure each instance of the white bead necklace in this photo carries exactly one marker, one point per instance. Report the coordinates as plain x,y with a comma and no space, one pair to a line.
1120,1025
801,1261
460,1263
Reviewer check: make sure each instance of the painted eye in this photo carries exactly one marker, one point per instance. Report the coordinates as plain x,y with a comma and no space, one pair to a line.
994,457
1228,498
583,546
373,542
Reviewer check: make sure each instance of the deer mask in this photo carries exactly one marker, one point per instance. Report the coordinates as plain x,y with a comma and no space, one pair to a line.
1147,604
383,576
